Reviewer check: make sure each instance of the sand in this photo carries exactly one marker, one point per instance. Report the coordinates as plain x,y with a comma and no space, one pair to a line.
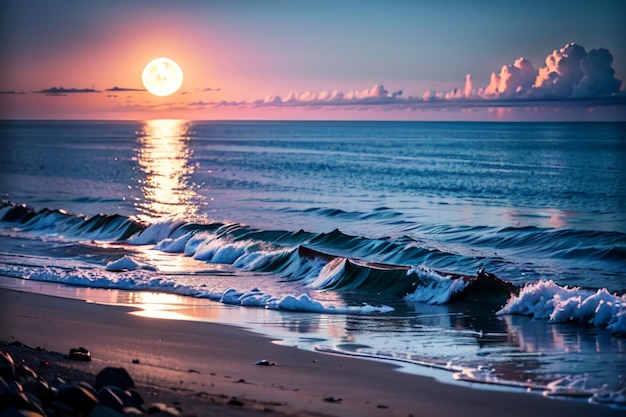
202,367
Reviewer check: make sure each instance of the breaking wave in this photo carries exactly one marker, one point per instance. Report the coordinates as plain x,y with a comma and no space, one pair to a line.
383,269
557,304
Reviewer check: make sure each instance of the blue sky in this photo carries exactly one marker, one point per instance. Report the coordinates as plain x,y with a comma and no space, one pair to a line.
250,51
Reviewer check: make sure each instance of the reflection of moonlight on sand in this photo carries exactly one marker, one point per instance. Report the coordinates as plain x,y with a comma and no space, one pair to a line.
162,77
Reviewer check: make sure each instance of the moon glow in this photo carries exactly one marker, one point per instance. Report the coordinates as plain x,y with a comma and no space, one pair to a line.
162,77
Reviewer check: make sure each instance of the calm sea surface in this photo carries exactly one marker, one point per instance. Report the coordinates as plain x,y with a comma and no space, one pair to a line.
344,236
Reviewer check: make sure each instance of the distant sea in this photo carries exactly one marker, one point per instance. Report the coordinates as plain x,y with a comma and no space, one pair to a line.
359,238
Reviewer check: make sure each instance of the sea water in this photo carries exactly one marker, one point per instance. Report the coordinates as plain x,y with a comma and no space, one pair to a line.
359,238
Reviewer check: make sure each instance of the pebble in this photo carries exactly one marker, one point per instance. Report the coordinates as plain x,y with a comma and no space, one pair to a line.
23,393
265,362
80,354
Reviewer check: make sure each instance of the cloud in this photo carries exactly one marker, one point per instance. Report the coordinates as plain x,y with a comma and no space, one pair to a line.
117,89
60,91
570,76
198,104
569,72
598,75
376,95
202,90
511,81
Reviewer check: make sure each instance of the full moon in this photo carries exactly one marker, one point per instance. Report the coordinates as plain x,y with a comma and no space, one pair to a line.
162,77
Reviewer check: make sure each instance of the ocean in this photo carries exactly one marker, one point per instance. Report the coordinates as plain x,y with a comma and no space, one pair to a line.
493,253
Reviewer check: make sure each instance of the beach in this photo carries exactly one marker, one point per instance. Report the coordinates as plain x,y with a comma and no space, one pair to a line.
202,366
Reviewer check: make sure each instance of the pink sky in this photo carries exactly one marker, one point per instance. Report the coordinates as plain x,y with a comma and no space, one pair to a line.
329,62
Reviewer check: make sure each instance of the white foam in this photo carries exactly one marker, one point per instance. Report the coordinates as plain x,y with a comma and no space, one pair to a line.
126,263
433,288
174,245
304,302
550,301
156,232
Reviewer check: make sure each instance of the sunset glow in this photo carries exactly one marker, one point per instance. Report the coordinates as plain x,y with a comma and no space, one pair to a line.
318,61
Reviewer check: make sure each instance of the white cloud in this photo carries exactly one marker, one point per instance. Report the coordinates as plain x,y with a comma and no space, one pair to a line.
570,75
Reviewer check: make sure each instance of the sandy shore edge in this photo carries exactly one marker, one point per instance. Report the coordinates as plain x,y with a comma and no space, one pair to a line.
201,366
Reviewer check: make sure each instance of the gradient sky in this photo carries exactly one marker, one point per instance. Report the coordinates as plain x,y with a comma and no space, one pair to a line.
238,56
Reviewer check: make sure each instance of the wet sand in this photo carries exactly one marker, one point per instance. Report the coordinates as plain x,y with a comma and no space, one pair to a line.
202,367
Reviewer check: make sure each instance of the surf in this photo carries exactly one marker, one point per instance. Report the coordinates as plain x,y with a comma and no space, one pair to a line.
323,262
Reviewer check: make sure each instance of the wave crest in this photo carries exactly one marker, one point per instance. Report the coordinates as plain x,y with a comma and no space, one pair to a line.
560,304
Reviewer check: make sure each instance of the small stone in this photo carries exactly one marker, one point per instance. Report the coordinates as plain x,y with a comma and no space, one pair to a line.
265,362
80,354
332,399
235,401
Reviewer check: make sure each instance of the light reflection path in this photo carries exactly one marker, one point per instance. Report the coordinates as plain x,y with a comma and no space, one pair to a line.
164,160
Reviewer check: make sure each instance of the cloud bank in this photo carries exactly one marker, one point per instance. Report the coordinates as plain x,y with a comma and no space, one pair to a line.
570,75
60,91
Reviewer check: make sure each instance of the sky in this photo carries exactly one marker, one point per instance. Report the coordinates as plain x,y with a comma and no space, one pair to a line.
274,59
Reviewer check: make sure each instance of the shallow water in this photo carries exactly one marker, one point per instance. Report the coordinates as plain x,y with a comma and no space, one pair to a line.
221,211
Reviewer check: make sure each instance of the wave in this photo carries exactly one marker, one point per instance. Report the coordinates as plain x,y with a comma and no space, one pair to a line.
101,226
382,269
565,244
558,304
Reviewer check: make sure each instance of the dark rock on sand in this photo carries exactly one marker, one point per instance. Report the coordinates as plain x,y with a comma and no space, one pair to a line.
24,393
12,396
80,398
40,388
80,354
235,401
265,362
116,398
332,399
117,377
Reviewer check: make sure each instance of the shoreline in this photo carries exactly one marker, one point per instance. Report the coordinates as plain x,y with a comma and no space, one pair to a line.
201,365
